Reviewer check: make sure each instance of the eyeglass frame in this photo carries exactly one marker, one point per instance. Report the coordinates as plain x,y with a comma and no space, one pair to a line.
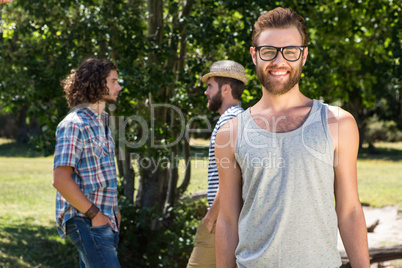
301,48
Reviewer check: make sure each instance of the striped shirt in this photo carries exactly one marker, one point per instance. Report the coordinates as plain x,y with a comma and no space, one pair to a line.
84,142
213,177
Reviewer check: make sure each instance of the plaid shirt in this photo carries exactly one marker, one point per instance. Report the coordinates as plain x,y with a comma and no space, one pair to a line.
84,142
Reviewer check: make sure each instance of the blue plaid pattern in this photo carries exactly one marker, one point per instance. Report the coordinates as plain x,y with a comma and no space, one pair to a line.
84,142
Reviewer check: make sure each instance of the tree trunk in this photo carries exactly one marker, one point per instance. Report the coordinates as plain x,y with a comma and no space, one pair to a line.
158,178
362,133
187,160
174,177
155,24
1,30
34,127
124,166
354,106
399,120
378,255
152,175
120,172
151,181
128,176
22,135
181,64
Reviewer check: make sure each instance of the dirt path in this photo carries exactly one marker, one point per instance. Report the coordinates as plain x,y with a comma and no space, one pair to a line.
387,233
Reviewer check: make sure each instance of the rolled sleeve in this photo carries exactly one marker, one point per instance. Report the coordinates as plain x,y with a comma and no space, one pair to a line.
84,142
69,145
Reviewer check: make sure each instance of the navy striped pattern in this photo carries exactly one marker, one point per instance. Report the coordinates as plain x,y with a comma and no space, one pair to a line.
213,177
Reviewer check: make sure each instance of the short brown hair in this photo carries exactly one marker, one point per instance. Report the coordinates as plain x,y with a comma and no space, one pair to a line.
87,84
279,18
236,85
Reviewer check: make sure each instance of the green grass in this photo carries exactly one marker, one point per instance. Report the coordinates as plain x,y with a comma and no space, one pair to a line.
380,182
27,187
199,174
28,236
380,176
9,148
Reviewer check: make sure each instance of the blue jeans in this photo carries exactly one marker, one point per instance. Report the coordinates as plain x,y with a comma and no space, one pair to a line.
96,245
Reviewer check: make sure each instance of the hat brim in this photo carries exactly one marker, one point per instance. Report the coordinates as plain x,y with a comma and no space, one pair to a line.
239,77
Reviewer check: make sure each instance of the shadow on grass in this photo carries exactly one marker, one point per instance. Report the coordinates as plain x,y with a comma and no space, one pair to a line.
14,149
35,246
389,154
199,151
381,153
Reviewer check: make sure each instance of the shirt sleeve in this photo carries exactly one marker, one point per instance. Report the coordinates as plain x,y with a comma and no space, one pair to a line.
69,145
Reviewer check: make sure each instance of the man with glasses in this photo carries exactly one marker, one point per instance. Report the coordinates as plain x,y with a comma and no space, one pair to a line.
287,166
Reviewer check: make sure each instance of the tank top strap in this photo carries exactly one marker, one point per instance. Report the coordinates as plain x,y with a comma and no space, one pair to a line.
241,118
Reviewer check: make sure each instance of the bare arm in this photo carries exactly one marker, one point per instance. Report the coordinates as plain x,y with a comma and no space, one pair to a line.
67,187
212,214
227,238
351,222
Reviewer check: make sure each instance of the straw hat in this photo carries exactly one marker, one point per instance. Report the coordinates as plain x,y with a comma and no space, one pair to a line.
227,68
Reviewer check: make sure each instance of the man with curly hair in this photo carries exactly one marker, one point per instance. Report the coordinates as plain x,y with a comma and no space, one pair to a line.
84,171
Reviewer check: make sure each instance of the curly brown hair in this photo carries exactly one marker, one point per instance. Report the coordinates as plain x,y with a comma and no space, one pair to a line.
87,84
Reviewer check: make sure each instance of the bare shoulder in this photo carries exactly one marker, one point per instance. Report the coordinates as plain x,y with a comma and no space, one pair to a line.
226,136
343,127
340,116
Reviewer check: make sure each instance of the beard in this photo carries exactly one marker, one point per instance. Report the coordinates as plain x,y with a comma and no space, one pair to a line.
109,100
215,102
268,84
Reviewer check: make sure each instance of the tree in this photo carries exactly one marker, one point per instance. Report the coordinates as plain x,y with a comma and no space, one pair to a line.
351,55
162,48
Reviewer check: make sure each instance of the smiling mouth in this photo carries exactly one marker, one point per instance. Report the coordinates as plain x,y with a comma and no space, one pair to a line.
278,73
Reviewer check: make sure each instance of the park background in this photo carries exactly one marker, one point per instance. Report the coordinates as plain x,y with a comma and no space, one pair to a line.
162,49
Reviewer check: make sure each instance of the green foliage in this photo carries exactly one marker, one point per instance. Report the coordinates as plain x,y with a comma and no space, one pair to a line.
354,59
351,54
354,54
170,245
44,41
382,131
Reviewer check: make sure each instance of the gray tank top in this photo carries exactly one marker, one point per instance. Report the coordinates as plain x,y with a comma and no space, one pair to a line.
288,217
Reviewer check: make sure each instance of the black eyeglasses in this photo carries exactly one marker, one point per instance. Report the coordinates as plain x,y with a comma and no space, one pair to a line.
290,53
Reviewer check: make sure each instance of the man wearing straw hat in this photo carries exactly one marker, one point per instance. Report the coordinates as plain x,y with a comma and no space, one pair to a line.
225,81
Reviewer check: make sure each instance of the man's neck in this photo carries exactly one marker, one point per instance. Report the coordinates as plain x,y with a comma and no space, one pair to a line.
226,106
277,103
98,107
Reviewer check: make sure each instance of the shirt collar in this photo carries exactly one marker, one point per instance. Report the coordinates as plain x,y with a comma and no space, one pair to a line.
94,115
